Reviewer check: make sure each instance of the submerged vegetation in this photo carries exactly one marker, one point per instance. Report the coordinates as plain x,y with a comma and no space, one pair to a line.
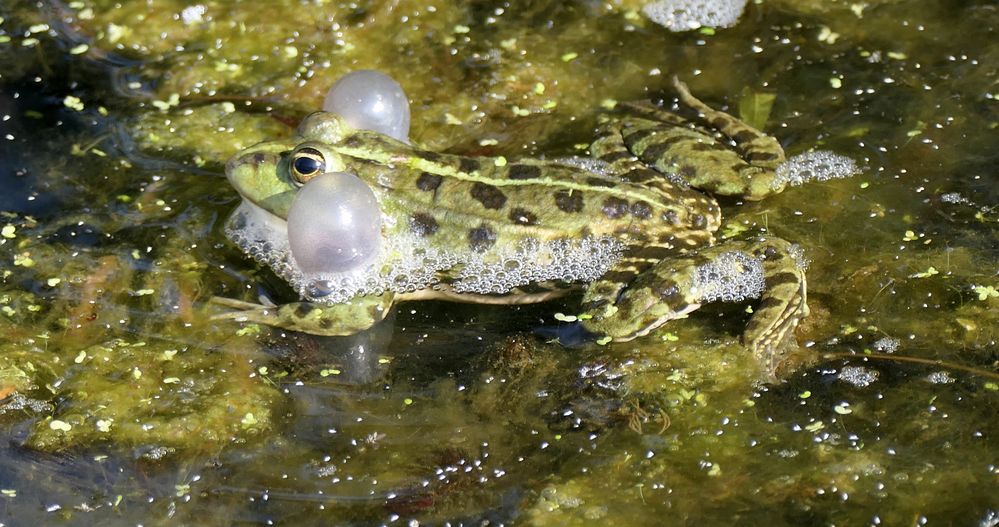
122,403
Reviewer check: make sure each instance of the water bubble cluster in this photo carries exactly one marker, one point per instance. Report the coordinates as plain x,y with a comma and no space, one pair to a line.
858,376
406,263
731,277
533,261
797,254
589,164
685,15
886,345
814,166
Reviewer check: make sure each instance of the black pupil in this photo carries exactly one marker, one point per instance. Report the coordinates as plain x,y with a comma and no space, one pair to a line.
307,165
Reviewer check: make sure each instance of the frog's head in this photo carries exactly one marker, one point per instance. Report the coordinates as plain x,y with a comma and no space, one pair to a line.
269,174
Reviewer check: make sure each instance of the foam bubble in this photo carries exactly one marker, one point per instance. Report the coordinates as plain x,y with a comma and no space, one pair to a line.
886,345
685,15
589,164
858,376
371,100
730,277
406,263
797,254
820,165
939,377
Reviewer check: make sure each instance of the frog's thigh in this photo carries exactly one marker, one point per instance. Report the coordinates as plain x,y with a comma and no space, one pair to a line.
624,308
317,319
665,292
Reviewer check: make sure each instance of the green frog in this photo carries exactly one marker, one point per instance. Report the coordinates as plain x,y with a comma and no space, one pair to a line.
632,228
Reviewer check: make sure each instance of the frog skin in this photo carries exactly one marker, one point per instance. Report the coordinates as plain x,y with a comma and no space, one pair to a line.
645,193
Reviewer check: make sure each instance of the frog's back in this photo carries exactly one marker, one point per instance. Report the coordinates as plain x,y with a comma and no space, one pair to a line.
486,202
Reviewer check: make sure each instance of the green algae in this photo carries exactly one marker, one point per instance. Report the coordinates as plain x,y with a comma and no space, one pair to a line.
110,371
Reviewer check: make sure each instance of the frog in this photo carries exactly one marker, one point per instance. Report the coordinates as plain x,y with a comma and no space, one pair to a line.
640,216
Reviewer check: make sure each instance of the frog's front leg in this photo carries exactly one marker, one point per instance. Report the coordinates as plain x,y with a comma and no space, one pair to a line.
768,268
348,318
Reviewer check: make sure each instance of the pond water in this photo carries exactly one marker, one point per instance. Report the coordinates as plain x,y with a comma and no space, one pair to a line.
122,402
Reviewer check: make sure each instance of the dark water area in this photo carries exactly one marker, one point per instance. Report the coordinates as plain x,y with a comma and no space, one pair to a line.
123,403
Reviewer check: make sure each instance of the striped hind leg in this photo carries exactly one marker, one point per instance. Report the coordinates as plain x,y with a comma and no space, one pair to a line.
758,148
688,150
783,304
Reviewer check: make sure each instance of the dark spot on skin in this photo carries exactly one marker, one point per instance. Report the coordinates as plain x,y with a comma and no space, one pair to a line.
523,217
782,278
705,147
259,158
598,182
489,196
641,209
641,175
698,221
569,200
433,157
687,172
768,253
303,309
468,165
585,232
611,157
762,156
523,172
428,181
423,224
744,136
353,142
655,150
637,137
667,291
614,208
719,122
481,238
374,312
586,307
325,323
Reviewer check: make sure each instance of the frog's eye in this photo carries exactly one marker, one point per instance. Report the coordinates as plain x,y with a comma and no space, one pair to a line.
306,164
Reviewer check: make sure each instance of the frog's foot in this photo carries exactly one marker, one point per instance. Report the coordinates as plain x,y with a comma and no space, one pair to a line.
783,304
334,320
770,268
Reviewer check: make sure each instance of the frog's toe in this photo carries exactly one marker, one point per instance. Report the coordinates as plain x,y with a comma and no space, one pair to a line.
242,311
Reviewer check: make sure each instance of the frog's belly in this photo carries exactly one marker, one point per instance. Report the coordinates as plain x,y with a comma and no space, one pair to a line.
408,264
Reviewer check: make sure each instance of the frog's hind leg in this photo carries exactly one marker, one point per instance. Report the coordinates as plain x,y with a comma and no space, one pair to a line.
782,305
687,150
758,148
631,307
